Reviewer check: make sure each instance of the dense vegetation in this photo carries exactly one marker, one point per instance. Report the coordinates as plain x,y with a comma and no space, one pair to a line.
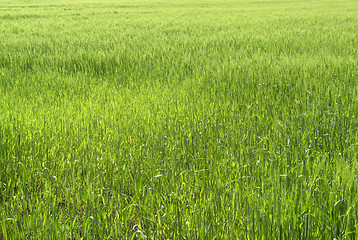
178,119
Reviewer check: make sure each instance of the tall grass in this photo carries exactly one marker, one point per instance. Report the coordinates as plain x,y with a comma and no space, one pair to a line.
178,120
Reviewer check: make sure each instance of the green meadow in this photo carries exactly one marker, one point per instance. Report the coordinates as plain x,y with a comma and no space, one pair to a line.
153,119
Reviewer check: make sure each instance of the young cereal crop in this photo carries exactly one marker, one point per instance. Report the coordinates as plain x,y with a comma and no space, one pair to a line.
151,119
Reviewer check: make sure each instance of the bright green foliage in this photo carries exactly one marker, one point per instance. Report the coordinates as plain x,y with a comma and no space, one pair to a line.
178,119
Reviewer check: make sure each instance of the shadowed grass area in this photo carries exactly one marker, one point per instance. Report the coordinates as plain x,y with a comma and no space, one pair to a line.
172,120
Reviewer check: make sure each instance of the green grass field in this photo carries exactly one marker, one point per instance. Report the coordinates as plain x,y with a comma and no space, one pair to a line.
180,119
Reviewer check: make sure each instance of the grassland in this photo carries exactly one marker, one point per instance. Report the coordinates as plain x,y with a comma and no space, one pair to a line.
178,119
